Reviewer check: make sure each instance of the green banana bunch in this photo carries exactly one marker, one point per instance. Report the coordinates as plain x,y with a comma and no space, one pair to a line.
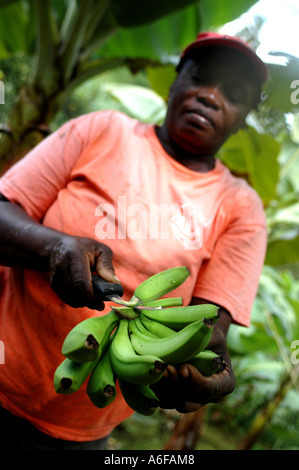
177,348
208,363
134,345
88,340
69,375
101,383
160,284
130,366
141,398
179,317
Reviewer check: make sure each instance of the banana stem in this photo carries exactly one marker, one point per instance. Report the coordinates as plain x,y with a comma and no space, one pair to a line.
265,415
125,313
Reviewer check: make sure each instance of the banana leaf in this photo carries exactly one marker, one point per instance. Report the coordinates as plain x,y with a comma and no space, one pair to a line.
255,156
282,90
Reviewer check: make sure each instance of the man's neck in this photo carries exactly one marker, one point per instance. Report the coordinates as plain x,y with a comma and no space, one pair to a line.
192,161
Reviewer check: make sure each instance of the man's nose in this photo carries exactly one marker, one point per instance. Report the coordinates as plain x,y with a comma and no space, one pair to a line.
210,96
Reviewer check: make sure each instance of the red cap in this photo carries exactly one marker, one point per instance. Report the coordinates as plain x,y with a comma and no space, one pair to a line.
231,42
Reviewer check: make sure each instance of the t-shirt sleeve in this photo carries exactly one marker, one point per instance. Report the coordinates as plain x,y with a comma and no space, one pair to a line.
230,278
35,180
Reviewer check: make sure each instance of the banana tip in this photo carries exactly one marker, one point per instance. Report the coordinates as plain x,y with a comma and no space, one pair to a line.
209,322
66,383
91,342
109,390
160,366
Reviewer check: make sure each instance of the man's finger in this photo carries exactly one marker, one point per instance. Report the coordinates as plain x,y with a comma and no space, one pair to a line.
104,266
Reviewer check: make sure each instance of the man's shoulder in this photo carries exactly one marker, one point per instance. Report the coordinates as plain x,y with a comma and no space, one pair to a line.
91,126
238,183
242,196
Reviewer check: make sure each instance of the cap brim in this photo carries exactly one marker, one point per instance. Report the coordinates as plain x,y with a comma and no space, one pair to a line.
229,43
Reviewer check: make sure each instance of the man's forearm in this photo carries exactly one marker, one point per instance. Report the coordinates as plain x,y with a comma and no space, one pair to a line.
23,241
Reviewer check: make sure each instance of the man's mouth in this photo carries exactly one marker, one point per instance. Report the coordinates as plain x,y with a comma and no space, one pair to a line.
201,118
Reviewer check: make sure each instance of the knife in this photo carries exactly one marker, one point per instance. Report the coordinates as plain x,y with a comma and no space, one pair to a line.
113,291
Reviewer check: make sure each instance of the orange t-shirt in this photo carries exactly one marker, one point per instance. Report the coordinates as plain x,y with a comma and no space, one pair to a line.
106,176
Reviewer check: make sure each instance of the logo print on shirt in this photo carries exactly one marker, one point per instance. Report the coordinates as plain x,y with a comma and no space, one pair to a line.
187,226
182,221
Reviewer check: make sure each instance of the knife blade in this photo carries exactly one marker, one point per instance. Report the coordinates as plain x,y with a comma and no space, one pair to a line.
110,291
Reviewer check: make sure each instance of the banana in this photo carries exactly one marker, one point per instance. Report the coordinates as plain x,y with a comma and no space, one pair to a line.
179,317
158,329
181,346
140,327
101,383
208,363
69,375
129,366
160,284
166,302
88,340
140,398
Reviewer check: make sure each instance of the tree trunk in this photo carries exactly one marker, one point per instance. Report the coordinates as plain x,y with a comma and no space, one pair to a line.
187,431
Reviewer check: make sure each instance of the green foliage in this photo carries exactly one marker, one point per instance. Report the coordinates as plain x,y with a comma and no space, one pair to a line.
280,91
17,29
216,13
254,156
138,101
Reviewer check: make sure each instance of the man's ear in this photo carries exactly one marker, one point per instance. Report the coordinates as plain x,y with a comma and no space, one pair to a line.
240,125
169,93
171,89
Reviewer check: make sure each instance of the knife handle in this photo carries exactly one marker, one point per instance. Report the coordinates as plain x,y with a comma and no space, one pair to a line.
103,288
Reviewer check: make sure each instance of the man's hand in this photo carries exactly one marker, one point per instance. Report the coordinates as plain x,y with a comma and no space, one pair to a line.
186,389
72,261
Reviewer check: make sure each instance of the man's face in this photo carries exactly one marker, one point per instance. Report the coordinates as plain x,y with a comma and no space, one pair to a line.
209,101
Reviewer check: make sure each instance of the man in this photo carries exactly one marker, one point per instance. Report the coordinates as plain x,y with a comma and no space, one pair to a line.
88,198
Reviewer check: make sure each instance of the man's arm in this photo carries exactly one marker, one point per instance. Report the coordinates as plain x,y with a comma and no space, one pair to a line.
70,260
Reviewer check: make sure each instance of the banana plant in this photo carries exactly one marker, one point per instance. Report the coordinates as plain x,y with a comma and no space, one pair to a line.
70,35
70,41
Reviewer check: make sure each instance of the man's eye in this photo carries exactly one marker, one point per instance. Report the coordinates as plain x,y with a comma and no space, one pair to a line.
236,95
